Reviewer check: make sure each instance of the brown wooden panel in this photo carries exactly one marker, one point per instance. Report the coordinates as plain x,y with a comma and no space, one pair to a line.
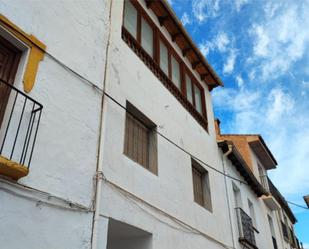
9,59
198,186
136,141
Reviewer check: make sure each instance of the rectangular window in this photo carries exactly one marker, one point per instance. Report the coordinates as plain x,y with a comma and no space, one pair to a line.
130,18
189,89
175,72
198,99
140,139
252,213
163,58
201,186
147,37
237,196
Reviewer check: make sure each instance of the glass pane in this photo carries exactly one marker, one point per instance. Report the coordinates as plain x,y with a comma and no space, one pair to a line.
189,89
130,18
175,72
163,58
147,37
198,99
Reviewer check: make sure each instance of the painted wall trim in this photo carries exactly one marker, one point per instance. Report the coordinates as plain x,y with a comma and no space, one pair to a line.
12,169
37,51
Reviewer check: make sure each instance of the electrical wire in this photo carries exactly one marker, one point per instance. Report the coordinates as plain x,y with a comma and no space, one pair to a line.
297,205
95,86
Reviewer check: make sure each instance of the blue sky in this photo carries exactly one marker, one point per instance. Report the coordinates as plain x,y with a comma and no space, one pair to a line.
260,49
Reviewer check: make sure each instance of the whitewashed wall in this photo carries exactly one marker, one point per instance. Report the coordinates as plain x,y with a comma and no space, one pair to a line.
128,78
64,159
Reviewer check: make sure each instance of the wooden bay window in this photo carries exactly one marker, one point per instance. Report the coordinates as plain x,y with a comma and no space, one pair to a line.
147,40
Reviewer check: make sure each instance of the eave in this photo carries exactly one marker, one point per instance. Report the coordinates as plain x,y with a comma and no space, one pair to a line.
284,205
260,148
168,19
242,168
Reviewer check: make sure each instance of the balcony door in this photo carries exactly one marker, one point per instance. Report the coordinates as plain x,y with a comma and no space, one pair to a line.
9,59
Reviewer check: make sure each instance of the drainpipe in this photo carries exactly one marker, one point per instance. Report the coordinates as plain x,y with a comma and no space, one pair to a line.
230,149
99,168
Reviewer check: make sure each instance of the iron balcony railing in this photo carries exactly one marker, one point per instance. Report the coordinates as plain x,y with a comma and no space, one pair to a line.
19,123
245,227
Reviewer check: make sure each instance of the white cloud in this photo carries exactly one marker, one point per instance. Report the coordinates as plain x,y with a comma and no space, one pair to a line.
281,39
185,19
228,66
203,9
220,42
240,3
205,48
279,103
239,81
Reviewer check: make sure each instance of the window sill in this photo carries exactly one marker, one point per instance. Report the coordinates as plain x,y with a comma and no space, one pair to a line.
155,68
12,169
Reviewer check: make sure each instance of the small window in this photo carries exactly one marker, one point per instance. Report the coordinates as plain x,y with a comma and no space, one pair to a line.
198,99
237,196
252,213
163,58
140,139
189,89
271,226
201,186
175,72
130,18
147,37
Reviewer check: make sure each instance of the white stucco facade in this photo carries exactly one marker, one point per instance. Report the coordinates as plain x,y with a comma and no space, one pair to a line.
81,142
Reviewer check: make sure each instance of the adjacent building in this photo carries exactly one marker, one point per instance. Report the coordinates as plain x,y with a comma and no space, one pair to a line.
108,137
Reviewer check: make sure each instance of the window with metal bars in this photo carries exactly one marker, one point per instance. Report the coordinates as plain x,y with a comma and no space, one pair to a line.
140,143
201,186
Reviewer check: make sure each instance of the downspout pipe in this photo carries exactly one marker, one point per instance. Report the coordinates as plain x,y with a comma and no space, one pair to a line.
99,177
225,155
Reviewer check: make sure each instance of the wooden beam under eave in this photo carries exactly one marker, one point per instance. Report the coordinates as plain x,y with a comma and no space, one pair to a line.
185,51
174,36
149,3
162,19
195,64
204,75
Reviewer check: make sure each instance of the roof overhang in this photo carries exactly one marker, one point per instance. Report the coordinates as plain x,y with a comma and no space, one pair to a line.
306,198
179,35
280,199
242,167
271,202
261,150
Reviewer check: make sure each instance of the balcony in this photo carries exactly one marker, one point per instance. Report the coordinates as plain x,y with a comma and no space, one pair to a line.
269,199
246,229
19,123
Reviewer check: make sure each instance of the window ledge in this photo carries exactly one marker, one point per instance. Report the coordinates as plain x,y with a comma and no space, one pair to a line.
12,169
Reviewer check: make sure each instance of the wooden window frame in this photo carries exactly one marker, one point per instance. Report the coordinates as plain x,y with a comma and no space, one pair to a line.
141,120
206,201
154,64
140,15
194,82
170,53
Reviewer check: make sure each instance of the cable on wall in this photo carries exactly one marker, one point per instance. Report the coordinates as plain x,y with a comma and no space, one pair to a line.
95,86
